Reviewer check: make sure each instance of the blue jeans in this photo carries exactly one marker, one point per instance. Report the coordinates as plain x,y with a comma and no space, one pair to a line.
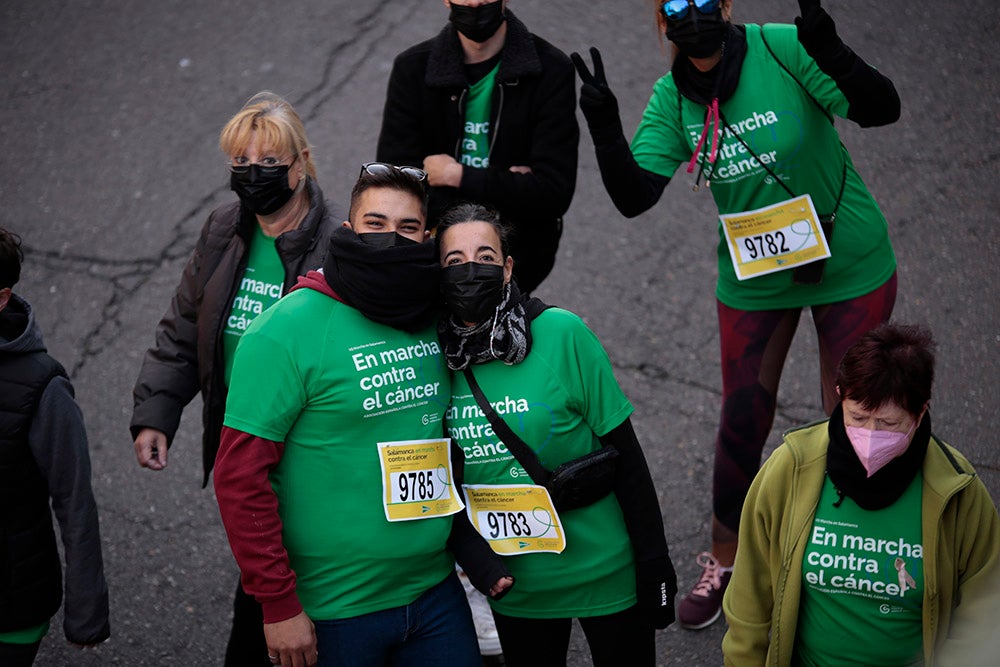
435,629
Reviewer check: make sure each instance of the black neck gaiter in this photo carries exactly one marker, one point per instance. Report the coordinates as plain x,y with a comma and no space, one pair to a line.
885,486
396,286
720,81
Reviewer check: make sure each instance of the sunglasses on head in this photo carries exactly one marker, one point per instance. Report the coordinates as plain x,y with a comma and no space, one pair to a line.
675,10
383,168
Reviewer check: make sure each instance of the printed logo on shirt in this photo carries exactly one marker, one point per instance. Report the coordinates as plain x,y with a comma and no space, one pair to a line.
392,379
252,298
734,161
840,561
468,424
475,145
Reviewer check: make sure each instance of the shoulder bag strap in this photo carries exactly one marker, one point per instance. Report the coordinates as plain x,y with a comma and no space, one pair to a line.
805,90
524,455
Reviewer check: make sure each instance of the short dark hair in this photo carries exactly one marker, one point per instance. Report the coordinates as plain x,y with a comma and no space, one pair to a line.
469,212
891,363
11,257
392,179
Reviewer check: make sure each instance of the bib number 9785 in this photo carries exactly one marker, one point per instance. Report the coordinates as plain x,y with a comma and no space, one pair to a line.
413,485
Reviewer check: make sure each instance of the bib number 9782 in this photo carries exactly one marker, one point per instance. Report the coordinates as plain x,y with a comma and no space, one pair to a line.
413,485
507,524
761,246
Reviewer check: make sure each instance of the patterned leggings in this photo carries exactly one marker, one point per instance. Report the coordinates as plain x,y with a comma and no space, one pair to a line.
754,346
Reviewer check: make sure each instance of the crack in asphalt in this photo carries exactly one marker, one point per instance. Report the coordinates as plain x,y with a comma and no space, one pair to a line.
128,276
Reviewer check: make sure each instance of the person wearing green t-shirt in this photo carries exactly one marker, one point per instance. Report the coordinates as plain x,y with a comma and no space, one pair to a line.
605,563
865,539
336,488
749,110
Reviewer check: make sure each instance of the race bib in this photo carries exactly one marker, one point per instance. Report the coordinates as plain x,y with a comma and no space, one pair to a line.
416,480
774,238
515,519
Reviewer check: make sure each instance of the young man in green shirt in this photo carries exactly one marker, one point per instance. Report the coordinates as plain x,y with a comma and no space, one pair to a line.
331,388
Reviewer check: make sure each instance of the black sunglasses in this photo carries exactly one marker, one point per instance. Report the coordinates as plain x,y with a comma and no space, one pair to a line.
383,168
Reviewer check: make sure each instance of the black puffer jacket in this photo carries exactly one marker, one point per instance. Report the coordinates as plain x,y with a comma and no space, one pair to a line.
187,355
532,123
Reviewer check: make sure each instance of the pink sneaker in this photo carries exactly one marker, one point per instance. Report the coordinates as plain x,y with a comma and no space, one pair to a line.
703,605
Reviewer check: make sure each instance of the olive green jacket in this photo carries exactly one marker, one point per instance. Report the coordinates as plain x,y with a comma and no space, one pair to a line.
961,540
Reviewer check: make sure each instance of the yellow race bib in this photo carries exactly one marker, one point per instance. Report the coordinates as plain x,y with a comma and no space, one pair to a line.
417,481
774,238
515,519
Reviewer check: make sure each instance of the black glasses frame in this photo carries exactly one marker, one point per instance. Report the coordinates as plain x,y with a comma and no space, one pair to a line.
380,168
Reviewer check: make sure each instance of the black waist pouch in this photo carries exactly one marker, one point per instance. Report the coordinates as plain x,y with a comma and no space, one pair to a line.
812,273
583,481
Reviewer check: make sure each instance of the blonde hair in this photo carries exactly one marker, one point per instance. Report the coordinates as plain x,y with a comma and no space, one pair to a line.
277,124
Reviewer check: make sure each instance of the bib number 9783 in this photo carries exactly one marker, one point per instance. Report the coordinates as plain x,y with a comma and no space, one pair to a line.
515,518
507,524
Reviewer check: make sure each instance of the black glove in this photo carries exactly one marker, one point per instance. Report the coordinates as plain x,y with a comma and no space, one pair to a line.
597,102
655,588
818,33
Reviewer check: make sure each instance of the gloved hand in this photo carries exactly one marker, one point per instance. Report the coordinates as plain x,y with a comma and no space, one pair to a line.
597,102
817,32
655,588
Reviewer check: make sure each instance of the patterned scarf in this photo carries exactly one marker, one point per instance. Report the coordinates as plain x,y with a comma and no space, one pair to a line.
505,336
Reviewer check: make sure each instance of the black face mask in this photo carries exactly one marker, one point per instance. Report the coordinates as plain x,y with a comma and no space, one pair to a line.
698,35
472,291
262,190
478,23
383,240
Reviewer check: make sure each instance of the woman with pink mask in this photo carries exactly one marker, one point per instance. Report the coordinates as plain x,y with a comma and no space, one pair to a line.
864,538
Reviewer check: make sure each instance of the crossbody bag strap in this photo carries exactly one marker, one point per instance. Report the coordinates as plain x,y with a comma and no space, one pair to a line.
753,153
805,90
515,445
823,110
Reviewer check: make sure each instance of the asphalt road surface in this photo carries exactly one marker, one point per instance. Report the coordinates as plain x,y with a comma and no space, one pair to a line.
109,122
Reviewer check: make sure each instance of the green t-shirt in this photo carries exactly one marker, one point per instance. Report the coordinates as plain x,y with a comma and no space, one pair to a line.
559,400
317,375
476,132
259,288
862,584
25,636
775,117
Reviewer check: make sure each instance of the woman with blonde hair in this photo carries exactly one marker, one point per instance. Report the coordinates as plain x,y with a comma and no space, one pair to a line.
249,253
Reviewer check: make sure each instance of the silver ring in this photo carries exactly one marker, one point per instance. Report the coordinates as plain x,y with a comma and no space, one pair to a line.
271,657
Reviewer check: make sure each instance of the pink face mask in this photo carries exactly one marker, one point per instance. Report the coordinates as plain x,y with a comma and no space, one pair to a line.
877,448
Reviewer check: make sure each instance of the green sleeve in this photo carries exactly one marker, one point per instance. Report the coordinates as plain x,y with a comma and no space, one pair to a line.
589,378
658,145
784,41
267,391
